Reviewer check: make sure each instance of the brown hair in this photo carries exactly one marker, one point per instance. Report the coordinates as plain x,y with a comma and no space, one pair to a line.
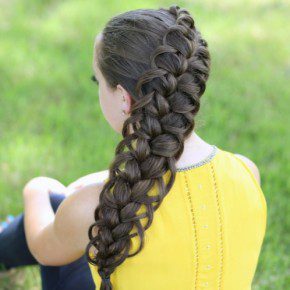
160,58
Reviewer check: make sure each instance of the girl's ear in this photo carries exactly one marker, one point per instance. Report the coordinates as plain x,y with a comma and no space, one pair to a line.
126,99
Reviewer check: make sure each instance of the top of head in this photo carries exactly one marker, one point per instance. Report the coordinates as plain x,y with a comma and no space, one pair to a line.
138,41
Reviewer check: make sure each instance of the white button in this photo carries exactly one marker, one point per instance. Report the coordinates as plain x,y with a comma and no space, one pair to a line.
205,284
208,267
200,186
203,206
205,226
208,246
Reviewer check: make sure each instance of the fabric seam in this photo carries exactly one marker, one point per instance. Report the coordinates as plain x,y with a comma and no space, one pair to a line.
195,230
221,242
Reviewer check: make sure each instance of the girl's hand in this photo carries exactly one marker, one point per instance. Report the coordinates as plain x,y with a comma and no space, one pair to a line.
44,184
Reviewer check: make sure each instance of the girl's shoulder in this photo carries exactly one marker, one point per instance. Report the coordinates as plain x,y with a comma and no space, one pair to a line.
228,160
251,165
241,170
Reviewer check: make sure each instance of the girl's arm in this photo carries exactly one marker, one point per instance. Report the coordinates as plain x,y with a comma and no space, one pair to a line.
59,239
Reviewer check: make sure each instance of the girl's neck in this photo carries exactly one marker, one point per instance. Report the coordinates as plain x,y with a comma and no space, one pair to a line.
195,150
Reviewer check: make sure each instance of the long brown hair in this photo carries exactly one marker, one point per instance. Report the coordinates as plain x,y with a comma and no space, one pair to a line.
160,58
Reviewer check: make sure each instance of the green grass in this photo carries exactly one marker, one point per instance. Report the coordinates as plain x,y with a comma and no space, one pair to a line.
51,123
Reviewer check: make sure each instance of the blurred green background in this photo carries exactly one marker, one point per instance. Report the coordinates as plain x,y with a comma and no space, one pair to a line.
51,123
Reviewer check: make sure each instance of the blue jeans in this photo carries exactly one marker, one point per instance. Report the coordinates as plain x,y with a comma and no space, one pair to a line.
14,252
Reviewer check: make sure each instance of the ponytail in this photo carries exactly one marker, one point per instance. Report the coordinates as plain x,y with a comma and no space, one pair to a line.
163,49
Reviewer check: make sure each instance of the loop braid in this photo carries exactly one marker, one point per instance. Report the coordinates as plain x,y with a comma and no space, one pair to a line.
162,116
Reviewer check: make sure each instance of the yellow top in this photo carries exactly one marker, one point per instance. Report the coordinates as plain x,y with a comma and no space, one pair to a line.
207,233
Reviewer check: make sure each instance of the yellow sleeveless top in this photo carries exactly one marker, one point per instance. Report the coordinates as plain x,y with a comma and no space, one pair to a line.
207,233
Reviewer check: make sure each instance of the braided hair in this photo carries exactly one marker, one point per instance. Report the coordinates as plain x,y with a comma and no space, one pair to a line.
160,58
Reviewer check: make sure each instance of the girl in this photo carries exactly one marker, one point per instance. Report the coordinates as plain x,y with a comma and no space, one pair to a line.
173,211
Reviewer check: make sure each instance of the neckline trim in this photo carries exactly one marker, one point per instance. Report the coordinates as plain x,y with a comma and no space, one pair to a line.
206,160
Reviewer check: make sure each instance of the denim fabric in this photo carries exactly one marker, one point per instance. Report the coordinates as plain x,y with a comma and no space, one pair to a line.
14,252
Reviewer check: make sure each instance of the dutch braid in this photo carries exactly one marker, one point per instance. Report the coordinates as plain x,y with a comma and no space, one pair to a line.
167,95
